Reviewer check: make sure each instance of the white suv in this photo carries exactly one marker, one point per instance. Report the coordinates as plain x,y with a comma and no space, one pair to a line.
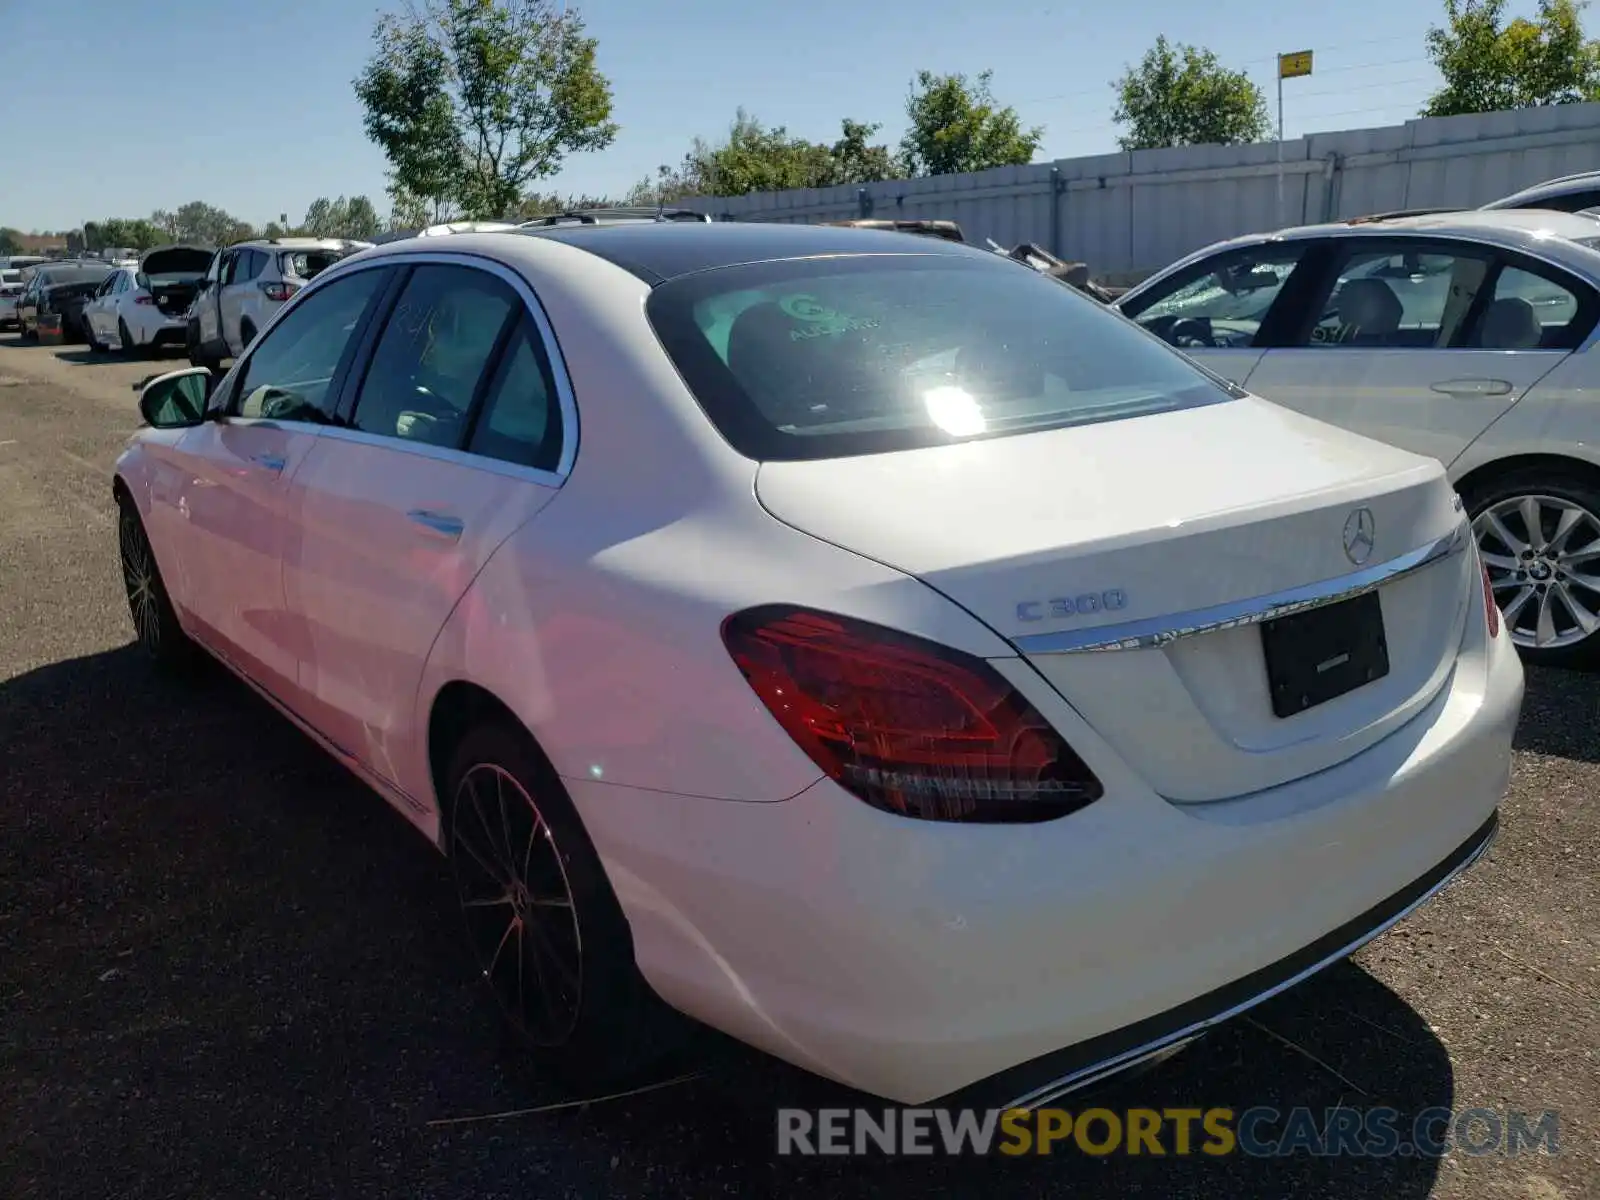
247,283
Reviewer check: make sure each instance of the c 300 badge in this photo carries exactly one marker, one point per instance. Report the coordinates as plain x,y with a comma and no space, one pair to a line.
1060,608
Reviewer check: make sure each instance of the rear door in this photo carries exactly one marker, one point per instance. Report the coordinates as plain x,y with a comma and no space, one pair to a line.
1224,309
97,313
1423,343
454,438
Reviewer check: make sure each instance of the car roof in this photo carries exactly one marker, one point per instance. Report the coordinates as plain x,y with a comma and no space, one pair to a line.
294,243
1580,181
1528,229
659,251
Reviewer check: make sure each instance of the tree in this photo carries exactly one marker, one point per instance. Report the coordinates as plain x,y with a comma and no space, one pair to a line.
756,158
1489,65
473,100
955,127
1183,96
856,160
10,241
353,218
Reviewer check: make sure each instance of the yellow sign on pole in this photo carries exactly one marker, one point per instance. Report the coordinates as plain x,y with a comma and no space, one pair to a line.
1293,66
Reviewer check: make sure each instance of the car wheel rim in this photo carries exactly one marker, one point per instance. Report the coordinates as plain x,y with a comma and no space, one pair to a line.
139,575
518,903
1543,558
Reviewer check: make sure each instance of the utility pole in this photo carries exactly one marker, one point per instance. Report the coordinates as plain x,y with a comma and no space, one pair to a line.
1290,66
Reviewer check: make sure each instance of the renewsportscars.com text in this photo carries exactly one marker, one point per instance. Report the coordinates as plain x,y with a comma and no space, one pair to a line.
1178,1132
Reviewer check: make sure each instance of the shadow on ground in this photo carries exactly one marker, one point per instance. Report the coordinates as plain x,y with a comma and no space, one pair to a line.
225,968
1561,715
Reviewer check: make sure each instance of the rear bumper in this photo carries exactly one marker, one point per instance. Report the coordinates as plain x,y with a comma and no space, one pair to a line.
915,960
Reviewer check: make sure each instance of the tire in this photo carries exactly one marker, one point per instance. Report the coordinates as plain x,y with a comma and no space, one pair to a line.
95,345
155,623
247,334
1542,577
129,347
598,1022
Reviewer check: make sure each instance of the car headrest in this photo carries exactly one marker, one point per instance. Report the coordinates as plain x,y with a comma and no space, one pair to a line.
1371,306
1510,324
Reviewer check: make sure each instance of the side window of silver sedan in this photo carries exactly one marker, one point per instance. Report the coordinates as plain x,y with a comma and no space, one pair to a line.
1221,303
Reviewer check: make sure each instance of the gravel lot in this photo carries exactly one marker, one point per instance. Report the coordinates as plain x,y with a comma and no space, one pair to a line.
227,969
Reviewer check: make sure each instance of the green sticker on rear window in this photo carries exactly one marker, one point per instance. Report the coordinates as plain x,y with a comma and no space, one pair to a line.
819,320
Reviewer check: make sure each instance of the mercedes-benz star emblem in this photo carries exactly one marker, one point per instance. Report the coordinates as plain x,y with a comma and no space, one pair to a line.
1360,530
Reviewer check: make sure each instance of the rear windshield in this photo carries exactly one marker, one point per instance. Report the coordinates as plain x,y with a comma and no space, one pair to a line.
830,357
308,264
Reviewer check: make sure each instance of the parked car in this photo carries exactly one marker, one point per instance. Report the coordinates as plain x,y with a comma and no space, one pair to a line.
58,289
147,305
1464,336
1569,193
895,609
11,287
246,284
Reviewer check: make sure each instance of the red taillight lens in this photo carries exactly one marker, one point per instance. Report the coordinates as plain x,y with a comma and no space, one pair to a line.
907,725
279,292
1491,610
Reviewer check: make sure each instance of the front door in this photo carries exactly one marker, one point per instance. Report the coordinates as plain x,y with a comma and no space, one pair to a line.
451,444
1424,346
239,496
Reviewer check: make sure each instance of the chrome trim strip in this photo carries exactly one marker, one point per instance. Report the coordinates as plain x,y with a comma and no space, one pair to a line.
565,398
1111,1066
1159,631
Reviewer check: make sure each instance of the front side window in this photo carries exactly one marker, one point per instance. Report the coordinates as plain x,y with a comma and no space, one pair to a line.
831,356
433,353
1221,303
290,369
1397,298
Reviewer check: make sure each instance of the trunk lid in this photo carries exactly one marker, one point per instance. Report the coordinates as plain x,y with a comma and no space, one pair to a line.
1150,519
172,274
176,260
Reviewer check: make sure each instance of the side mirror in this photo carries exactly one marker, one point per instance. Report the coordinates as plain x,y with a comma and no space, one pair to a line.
176,400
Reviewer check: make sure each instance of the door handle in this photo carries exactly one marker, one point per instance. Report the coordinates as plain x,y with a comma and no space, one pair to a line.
1473,387
441,523
268,462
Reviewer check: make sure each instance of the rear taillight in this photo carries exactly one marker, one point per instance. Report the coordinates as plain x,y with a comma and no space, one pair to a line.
144,299
1491,610
279,292
907,725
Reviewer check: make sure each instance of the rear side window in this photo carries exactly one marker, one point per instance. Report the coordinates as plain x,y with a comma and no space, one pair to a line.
433,353
521,418
828,357
1401,298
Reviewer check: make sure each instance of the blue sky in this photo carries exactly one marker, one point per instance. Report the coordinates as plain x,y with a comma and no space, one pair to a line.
118,108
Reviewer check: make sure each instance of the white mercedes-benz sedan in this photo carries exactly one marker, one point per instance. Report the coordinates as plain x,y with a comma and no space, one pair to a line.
858,642
1467,336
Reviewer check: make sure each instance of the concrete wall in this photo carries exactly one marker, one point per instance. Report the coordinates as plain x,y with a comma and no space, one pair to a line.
1128,214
